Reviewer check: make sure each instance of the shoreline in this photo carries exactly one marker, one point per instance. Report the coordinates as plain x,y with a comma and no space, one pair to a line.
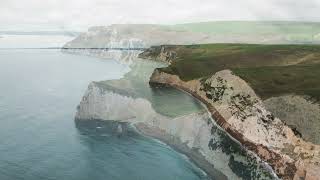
193,155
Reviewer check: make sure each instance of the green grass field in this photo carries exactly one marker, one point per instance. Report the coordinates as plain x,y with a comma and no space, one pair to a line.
275,81
271,70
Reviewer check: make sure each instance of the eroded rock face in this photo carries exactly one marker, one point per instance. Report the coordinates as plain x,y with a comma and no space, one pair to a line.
299,113
98,103
238,110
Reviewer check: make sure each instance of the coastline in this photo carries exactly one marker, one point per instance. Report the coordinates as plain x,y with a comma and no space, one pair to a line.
193,155
202,159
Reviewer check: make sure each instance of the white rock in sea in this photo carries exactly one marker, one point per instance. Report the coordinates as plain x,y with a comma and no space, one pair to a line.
119,128
108,105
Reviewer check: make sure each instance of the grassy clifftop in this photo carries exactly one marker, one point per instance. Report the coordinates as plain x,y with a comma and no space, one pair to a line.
271,70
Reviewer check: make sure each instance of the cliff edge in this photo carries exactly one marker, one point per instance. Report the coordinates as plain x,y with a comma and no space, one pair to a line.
241,109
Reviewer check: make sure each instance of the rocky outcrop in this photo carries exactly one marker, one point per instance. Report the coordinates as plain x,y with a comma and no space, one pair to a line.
240,112
159,53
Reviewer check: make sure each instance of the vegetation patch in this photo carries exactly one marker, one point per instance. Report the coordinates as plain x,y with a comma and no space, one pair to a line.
241,106
276,81
215,93
241,163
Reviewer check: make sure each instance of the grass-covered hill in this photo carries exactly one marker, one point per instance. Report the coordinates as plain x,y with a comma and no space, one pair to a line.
271,70
254,31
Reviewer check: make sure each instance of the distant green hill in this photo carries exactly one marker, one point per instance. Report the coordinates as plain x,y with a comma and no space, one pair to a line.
294,32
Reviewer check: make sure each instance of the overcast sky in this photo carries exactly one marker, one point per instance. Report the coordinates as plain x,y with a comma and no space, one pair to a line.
84,13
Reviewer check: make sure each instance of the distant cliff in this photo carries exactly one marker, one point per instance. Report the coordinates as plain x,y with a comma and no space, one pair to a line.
135,36
147,35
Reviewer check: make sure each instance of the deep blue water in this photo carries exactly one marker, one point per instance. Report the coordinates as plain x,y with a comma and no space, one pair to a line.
39,139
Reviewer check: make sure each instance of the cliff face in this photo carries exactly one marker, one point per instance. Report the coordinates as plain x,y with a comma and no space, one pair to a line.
239,111
195,134
184,133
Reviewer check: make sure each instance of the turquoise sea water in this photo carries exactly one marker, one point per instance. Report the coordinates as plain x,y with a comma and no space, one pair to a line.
40,140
